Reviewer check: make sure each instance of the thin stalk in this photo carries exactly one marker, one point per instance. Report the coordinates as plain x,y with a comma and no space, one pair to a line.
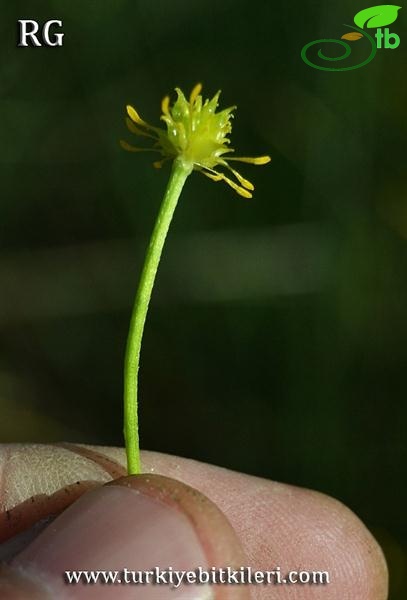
179,174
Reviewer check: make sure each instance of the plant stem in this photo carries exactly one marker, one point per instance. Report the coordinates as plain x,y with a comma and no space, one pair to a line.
179,174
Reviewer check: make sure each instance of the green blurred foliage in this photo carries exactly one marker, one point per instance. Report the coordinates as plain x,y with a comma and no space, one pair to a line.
276,341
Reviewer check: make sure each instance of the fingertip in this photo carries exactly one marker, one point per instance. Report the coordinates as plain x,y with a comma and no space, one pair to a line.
325,535
16,584
216,535
361,561
137,524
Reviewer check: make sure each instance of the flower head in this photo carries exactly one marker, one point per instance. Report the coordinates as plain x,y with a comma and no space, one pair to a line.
196,134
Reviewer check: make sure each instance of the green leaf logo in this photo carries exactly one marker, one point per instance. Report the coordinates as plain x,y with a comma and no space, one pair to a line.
377,16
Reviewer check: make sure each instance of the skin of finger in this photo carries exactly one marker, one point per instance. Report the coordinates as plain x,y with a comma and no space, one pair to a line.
219,540
201,527
278,524
14,586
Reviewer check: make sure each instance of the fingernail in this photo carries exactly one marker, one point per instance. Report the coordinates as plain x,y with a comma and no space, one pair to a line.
141,523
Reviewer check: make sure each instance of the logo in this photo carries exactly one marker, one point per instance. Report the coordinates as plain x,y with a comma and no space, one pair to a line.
29,33
376,17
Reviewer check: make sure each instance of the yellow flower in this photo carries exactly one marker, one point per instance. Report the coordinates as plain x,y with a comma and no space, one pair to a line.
197,135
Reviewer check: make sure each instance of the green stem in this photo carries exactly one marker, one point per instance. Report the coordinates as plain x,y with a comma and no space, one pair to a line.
179,174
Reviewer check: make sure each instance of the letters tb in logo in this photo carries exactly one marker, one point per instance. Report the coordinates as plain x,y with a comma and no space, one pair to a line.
30,34
391,40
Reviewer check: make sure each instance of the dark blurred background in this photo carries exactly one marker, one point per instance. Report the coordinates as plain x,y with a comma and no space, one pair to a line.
276,342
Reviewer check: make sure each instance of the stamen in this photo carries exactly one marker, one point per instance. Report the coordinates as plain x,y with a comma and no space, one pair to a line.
134,129
167,119
244,182
195,93
215,176
257,160
131,148
134,116
159,163
165,105
240,190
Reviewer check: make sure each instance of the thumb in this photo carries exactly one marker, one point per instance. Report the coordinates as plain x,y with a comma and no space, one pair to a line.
121,531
